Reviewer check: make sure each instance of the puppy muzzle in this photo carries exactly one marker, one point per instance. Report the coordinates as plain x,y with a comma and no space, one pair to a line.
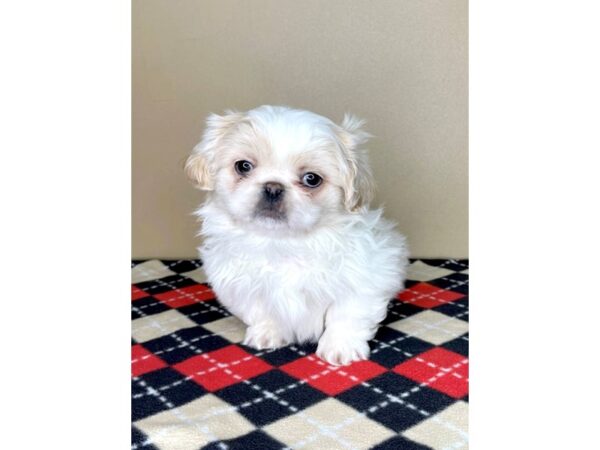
271,202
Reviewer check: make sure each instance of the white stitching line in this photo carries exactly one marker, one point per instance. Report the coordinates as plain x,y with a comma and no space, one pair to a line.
159,282
156,282
170,264
453,261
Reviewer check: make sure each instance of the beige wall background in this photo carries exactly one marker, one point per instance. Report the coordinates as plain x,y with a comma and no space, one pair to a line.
400,64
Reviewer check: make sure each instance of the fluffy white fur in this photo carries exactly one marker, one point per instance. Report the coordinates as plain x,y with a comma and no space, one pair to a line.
323,267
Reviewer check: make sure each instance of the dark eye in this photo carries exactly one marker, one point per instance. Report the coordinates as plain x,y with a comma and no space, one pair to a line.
312,180
243,167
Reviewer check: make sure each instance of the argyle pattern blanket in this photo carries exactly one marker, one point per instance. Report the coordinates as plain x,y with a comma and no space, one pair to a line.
195,386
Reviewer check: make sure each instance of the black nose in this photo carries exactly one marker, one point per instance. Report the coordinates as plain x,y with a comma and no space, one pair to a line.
273,191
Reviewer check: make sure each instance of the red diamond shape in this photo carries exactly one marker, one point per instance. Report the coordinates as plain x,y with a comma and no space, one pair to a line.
426,295
331,379
186,296
143,361
439,369
221,368
137,293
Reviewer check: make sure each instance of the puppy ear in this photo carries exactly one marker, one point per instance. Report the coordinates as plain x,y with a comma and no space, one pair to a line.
199,166
198,171
359,187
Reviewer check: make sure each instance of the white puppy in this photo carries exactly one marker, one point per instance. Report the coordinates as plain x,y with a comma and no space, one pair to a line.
290,246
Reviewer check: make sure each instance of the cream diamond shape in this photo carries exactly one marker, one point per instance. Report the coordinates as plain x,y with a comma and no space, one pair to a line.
419,271
195,424
150,270
161,324
197,275
231,328
328,425
445,430
431,326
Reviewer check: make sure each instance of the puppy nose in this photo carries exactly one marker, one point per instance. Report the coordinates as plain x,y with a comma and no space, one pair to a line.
273,191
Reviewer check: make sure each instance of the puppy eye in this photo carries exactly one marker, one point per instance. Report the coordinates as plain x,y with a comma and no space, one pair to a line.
312,180
243,167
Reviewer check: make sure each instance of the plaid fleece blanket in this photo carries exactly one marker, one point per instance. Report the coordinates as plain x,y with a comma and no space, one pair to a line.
195,386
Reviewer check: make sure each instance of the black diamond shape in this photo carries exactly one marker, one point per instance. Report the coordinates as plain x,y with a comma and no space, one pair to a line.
400,310
403,347
458,345
166,382
258,440
395,415
165,284
181,266
458,308
184,344
456,282
255,400
138,438
204,312
143,405
146,307
400,443
426,398
202,339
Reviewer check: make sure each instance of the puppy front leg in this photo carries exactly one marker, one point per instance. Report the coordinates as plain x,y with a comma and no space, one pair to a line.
263,332
348,328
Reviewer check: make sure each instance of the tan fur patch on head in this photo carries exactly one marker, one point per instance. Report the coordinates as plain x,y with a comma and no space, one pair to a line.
198,172
359,186
199,166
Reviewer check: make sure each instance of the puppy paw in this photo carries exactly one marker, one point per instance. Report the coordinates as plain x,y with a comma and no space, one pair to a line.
263,336
340,350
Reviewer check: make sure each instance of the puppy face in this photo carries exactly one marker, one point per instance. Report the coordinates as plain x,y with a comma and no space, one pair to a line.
280,169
